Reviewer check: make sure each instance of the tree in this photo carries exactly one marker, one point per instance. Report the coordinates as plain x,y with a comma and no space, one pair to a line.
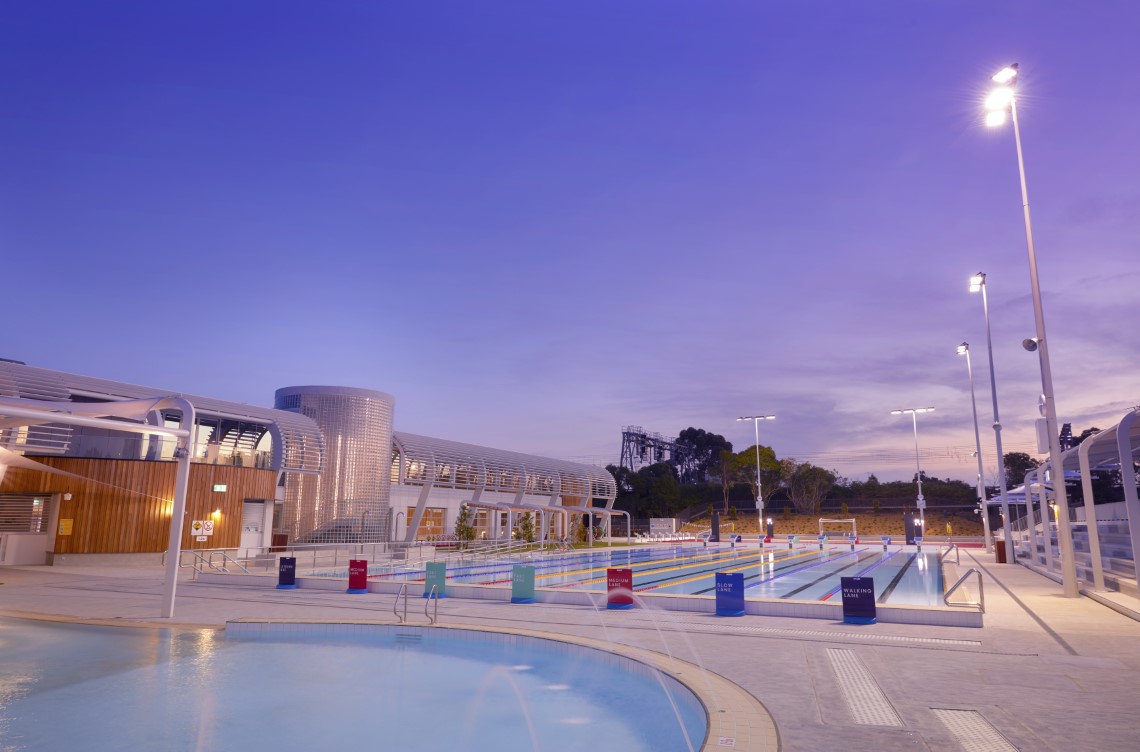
1017,464
808,485
772,470
1085,434
728,470
698,453
464,530
526,528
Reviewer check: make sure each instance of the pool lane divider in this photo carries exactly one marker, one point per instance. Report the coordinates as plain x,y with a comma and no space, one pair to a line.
741,558
890,588
868,570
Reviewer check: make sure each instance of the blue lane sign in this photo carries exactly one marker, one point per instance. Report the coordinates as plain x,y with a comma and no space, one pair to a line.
287,573
729,593
858,600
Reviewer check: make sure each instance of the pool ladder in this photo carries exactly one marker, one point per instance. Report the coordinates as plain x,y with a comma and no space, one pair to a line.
402,618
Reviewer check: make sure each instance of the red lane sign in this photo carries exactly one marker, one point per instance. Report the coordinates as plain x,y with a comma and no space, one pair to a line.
358,576
619,588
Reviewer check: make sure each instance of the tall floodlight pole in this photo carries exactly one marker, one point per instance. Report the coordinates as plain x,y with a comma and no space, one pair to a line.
978,284
983,508
913,412
1001,101
759,494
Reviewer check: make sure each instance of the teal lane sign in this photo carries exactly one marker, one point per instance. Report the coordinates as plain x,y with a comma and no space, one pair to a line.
522,583
436,575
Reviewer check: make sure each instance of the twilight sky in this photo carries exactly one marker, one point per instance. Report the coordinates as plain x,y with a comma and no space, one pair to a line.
537,222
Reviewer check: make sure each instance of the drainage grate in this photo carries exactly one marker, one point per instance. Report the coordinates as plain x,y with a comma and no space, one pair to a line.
866,701
408,638
973,731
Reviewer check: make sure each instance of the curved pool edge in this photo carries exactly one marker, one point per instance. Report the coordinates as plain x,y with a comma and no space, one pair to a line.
736,719
95,621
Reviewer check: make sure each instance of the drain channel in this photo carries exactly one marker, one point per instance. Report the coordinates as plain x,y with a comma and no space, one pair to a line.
973,731
866,701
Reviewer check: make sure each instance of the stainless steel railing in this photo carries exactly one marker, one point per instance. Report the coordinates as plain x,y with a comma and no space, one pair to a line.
980,603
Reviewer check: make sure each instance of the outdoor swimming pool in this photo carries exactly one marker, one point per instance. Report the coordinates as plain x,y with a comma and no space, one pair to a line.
902,575
312,687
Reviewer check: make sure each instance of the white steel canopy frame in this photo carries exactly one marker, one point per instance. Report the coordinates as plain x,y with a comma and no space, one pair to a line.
429,462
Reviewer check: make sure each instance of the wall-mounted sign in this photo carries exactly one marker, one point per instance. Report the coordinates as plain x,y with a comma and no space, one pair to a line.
65,527
202,527
219,488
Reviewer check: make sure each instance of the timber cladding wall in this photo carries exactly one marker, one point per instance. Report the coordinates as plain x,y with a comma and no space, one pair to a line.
123,506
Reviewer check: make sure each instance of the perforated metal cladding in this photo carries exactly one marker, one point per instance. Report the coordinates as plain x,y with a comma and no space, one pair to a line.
457,465
298,445
349,500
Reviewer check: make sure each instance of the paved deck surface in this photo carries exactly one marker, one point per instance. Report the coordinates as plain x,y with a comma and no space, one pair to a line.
1045,673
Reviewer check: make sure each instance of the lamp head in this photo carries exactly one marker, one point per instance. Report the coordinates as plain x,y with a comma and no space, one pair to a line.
963,348
1030,344
977,282
1006,75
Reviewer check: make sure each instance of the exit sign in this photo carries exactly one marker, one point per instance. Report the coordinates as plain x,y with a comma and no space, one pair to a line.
219,488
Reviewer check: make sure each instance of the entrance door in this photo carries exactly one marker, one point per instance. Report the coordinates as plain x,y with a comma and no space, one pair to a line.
252,525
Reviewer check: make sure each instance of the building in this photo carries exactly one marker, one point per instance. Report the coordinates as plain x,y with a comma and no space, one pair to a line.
323,466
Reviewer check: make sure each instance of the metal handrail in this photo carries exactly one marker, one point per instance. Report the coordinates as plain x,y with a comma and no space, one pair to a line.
432,596
957,553
980,604
404,592
197,560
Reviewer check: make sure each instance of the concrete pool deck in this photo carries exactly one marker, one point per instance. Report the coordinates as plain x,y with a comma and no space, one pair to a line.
1045,673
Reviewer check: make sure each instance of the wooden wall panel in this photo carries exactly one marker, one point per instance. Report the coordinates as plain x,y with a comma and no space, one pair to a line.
123,506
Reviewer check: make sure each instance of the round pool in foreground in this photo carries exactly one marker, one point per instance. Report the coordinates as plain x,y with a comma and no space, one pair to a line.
327,686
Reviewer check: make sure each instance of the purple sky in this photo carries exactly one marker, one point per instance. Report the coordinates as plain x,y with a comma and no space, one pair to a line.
536,222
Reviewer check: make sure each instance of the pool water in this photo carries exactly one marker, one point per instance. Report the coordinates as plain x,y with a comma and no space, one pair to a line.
902,575
69,687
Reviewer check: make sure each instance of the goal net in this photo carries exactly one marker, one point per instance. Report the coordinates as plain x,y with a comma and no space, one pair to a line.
837,528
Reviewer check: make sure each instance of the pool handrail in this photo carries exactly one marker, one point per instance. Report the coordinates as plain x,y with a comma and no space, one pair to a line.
432,596
403,591
980,604
957,553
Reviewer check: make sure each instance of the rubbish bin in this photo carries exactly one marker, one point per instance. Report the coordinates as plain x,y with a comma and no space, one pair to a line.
999,551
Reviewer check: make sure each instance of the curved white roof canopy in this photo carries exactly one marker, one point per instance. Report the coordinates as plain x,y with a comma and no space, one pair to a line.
454,464
298,445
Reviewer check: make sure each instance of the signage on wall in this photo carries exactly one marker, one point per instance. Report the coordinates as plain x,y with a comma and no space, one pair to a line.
219,488
65,527
202,528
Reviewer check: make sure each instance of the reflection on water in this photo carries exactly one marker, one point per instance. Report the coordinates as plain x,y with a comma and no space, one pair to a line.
137,689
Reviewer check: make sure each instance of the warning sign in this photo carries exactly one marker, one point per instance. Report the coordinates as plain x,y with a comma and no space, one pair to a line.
202,527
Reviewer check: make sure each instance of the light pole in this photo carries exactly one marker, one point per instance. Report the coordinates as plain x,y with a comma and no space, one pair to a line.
964,349
759,494
978,284
1001,101
913,412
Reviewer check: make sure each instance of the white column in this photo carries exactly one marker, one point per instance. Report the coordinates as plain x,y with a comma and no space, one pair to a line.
1090,514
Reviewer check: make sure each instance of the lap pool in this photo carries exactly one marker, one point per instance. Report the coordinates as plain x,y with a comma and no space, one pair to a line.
311,687
902,575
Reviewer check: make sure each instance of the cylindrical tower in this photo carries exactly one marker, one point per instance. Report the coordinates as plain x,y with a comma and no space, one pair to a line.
348,502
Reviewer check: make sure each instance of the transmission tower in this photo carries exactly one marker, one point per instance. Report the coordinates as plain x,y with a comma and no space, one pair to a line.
640,448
